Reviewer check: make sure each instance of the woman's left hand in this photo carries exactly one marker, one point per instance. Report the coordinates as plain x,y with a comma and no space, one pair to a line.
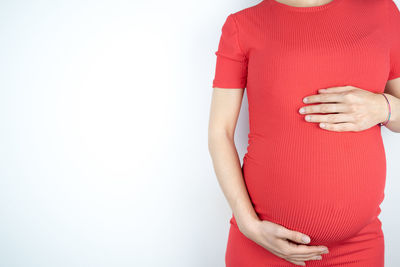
353,109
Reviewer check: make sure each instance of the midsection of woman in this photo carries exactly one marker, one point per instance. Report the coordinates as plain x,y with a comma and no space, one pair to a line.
326,184
322,183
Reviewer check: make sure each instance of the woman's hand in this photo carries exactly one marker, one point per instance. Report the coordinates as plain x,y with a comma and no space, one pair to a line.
281,241
356,109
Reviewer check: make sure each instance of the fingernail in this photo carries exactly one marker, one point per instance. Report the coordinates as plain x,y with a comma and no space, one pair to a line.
322,125
305,100
302,110
305,239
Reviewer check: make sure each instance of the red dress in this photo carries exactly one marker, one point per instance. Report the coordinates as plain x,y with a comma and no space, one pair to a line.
328,185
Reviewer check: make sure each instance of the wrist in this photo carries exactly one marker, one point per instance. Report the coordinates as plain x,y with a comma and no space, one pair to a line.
383,108
249,227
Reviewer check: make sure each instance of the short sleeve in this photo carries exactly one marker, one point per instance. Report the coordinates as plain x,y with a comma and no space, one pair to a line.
394,32
231,62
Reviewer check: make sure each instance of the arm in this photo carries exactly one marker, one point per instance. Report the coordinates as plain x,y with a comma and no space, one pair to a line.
224,112
225,108
392,88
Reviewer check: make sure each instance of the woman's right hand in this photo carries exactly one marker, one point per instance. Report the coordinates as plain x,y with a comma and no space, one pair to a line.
283,242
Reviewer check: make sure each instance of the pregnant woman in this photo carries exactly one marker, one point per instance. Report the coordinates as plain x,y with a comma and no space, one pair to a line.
322,79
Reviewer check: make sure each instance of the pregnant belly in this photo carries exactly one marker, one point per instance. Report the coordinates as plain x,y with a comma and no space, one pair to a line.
329,191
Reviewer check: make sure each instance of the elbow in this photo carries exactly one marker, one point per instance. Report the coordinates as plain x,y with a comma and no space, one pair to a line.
218,136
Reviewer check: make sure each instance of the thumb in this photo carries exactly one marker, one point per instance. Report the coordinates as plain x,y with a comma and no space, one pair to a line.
297,237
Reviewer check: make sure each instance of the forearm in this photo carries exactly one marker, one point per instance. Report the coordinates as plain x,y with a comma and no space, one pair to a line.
230,178
394,121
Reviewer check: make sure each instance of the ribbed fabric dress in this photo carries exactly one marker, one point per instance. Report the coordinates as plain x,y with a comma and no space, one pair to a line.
328,185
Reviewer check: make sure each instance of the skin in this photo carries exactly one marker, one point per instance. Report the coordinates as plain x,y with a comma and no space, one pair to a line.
303,3
354,109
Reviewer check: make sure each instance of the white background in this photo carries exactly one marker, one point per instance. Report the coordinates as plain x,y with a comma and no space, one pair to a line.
104,111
